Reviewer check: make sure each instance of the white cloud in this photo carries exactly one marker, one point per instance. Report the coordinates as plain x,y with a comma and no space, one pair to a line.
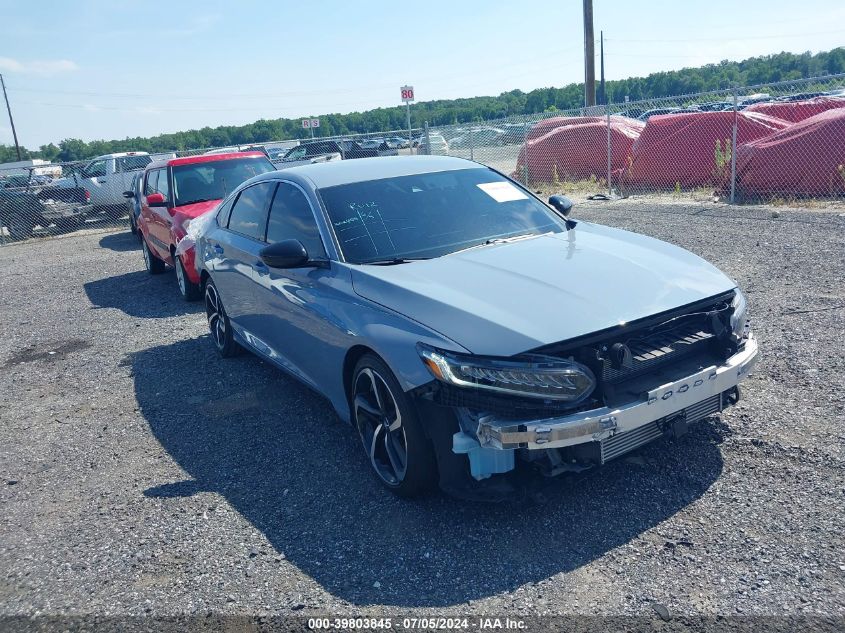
90,108
37,67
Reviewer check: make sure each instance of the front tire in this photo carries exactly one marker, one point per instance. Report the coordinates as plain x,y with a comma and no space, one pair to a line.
400,454
154,265
222,334
20,227
188,289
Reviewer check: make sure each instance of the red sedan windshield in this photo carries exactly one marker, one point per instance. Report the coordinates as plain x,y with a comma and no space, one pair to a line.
201,182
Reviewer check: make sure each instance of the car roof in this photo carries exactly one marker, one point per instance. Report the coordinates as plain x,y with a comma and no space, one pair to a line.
203,158
344,172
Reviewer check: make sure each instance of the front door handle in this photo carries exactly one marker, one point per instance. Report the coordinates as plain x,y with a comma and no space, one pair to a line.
218,249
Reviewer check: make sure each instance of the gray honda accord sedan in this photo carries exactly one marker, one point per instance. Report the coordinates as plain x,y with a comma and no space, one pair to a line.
466,329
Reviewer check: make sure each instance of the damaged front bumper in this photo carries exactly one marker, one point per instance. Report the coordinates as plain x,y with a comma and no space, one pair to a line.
619,429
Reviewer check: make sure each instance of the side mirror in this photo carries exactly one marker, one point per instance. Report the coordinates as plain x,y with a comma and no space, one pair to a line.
562,204
128,194
156,200
284,254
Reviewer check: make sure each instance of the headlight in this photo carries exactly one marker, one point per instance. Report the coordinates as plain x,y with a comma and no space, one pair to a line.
739,317
533,376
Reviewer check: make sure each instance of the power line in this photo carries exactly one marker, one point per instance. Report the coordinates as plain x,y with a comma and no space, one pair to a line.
724,39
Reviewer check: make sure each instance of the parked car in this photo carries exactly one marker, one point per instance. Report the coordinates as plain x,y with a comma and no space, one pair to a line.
25,202
106,178
133,202
462,326
397,142
645,116
326,151
240,148
177,190
715,106
478,137
800,96
515,133
435,145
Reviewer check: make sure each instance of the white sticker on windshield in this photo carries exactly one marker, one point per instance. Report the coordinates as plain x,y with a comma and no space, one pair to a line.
502,191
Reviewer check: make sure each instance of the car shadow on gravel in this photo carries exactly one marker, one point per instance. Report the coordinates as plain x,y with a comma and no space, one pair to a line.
280,457
120,242
140,294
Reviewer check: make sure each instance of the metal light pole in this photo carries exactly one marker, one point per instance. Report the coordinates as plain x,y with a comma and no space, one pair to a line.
589,56
11,121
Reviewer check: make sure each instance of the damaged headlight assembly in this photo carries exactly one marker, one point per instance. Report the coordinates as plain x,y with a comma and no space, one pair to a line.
540,377
739,315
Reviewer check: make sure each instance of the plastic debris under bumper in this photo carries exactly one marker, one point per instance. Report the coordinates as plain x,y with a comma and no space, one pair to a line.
691,393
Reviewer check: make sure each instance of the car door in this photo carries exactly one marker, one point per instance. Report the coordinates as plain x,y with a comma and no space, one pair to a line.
295,303
157,219
236,260
95,180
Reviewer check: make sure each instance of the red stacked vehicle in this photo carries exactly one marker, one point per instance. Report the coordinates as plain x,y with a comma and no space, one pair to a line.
176,191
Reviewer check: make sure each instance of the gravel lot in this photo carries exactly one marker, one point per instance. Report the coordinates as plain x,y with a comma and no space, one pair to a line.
140,474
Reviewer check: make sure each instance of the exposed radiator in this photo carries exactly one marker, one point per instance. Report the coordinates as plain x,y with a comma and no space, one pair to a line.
622,443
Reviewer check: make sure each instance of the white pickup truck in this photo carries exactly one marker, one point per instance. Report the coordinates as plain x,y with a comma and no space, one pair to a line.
107,177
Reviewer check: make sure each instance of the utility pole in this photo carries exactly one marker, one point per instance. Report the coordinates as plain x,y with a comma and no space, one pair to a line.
589,56
602,93
11,121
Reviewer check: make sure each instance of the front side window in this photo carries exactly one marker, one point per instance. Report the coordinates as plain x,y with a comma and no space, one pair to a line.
291,218
249,213
163,185
214,180
152,177
432,214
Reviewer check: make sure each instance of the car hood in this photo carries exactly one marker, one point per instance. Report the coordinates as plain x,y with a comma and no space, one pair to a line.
196,209
508,298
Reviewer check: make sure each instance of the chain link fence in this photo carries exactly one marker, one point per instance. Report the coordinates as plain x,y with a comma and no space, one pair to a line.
776,143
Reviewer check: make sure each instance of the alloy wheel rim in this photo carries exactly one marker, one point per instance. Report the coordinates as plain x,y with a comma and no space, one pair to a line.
379,423
216,316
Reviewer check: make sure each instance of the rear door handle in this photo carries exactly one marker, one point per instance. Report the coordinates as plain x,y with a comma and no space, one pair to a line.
218,249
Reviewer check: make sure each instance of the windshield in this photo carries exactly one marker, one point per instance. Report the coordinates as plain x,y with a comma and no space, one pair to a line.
429,215
214,180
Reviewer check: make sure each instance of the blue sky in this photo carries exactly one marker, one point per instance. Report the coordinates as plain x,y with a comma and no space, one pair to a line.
103,70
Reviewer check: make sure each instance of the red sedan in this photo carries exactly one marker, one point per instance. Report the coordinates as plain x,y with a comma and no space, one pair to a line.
176,191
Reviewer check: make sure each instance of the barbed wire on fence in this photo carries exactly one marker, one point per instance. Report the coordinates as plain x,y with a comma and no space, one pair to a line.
771,142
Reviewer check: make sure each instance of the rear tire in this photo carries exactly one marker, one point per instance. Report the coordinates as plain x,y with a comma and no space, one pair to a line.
222,334
400,454
154,265
187,288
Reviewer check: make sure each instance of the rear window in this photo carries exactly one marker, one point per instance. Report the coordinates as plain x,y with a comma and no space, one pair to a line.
132,163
